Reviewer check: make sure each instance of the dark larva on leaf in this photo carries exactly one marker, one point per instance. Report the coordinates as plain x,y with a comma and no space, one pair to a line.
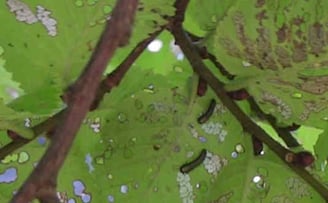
186,168
205,116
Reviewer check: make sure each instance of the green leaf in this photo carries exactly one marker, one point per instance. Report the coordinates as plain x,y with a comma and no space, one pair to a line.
276,47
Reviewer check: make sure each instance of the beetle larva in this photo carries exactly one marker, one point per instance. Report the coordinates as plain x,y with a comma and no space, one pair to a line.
186,168
205,116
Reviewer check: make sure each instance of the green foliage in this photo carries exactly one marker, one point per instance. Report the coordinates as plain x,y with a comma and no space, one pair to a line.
130,149
275,46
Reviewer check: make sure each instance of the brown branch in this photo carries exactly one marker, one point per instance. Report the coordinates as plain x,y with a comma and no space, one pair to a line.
115,34
248,125
221,68
113,79
181,7
283,133
206,55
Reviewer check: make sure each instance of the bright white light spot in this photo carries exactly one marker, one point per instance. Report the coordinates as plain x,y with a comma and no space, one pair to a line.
155,45
246,64
256,179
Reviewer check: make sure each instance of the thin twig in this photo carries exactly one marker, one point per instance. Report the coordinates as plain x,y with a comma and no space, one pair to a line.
284,134
116,33
248,125
114,78
207,55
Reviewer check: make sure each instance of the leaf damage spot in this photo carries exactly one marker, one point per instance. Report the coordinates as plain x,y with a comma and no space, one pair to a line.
297,188
9,175
24,14
88,161
185,187
283,108
49,23
212,128
80,191
22,11
213,163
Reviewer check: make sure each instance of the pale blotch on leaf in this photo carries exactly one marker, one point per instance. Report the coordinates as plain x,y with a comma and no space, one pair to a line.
71,201
22,11
213,163
283,108
107,9
185,187
155,189
246,64
85,197
79,190
149,89
110,176
111,198
190,154
95,125
79,187
23,157
100,160
88,161
122,118
124,189
49,23
9,175
297,187
202,139
25,14
234,154
212,128
10,158
27,122
239,148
